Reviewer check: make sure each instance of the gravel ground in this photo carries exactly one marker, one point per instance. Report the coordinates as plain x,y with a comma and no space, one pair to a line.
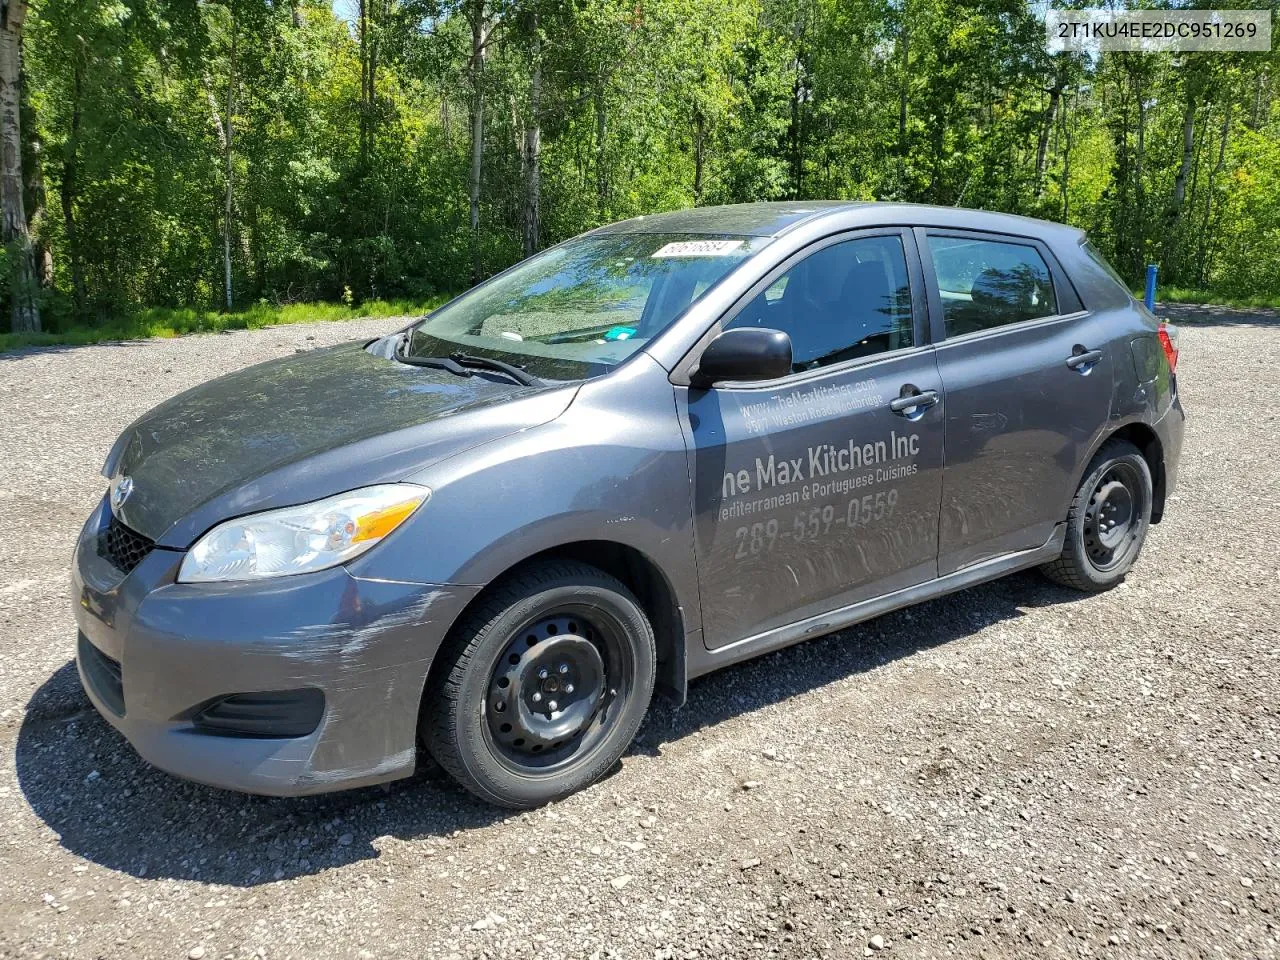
1012,771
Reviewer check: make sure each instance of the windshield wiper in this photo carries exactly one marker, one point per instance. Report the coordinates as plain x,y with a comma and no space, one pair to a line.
439,363
462,364
518,374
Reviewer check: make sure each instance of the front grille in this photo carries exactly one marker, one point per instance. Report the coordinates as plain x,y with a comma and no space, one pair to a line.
123,547
102,674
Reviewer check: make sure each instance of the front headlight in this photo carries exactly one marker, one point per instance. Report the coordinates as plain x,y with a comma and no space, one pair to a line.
301,539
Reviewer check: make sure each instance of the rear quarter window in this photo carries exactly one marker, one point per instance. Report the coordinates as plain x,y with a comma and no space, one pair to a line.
1094,254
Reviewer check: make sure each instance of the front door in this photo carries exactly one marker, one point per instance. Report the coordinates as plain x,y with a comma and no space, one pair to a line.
820,489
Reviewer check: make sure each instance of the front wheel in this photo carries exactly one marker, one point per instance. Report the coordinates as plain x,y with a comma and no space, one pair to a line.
551,675
1108,520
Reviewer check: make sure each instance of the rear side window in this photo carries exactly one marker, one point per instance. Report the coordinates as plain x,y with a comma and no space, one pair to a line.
1096,256
990,283
848,300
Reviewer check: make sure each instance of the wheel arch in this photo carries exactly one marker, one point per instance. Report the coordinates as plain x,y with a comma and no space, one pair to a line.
1142,436
641,575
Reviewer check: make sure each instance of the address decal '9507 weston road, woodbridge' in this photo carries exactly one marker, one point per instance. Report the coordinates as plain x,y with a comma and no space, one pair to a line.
815,402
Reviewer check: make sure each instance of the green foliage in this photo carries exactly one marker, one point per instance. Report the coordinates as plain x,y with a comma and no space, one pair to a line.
350,145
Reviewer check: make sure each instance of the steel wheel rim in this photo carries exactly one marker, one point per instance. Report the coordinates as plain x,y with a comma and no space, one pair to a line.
1113,516
555,688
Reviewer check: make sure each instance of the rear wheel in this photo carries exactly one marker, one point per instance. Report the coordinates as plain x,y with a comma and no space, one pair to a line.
551,676
1108,520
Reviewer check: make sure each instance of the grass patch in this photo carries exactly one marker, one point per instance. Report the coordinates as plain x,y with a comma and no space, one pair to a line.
174,322
1192,295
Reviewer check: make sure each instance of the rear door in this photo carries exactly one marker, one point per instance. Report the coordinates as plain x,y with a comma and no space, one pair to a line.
812,491
1027,374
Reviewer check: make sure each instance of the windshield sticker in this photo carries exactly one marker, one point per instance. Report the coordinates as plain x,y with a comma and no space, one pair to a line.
699,248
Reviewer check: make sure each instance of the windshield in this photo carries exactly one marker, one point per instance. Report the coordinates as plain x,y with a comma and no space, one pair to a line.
580,309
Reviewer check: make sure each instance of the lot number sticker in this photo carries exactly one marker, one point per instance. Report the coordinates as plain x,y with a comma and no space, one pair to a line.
699,248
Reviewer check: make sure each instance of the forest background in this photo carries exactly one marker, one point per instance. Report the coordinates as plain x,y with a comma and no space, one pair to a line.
186,164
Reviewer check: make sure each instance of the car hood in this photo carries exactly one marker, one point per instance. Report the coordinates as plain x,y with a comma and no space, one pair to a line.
305,427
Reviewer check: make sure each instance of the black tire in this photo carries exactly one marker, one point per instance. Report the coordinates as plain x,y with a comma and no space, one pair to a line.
528,639
1116,490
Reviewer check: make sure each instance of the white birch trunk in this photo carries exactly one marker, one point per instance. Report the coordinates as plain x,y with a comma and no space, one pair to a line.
25,315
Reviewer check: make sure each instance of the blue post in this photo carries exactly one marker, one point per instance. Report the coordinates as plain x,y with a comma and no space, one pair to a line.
1150,297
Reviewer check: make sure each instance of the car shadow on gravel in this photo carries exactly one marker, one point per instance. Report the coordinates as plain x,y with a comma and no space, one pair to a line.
107,805
794,670
110,807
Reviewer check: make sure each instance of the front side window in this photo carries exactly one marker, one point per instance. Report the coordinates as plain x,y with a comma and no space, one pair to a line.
990,283
579,309
848,300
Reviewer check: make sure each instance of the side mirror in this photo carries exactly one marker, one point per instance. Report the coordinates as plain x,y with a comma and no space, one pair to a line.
747,353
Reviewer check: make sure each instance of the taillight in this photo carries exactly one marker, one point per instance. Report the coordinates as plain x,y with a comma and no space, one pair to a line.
1168,335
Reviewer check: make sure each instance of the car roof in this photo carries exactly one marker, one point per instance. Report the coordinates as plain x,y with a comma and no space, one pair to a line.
776,218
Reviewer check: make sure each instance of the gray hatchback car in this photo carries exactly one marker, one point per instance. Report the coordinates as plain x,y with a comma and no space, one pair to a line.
665,446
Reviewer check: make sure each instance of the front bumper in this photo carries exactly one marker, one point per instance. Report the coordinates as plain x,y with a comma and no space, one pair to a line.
157,650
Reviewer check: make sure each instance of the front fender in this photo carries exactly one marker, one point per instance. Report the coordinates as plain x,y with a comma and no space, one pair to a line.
611,468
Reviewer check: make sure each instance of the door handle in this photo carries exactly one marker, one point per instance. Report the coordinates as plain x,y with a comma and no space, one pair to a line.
916,402
1084,358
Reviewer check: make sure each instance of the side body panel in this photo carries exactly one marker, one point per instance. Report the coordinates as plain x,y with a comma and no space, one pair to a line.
701,661
1019,423
811,494
1022,415
1140,394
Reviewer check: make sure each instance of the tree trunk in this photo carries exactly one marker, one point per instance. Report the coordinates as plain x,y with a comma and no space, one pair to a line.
1065,125
1259,86
71,187
229,200
903,76
1138,223
1123,180
35,196
1188,155
25,308
369,109
479,37
797,119
1207,244
533,154
602,176
1173,235
1195,163
1046,125
1139,184
364,81
699,154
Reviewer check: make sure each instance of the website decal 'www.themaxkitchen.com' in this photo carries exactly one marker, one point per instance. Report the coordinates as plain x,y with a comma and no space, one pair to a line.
1089,31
